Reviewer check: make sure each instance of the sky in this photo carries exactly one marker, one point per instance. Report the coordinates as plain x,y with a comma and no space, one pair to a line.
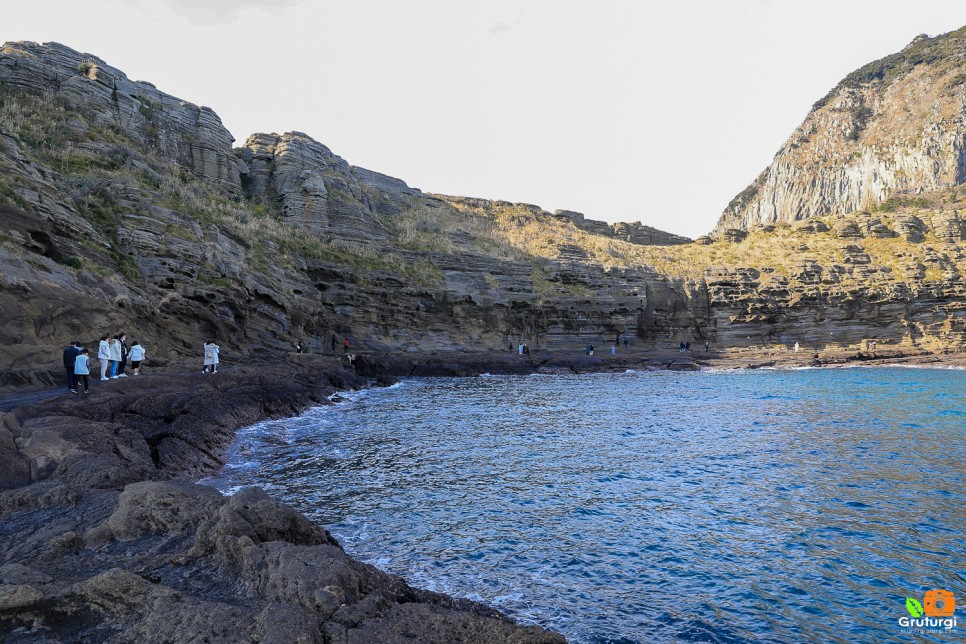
623,110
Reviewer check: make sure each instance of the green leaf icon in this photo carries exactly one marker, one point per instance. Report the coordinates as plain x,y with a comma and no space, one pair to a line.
914,607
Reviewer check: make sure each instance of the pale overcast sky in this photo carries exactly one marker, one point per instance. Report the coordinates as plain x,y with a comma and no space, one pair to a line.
623,110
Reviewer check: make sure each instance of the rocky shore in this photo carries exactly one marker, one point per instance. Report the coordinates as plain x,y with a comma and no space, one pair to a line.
105,538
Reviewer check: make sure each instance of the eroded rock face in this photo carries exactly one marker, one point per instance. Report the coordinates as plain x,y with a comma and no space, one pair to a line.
895,126
193,136
318,190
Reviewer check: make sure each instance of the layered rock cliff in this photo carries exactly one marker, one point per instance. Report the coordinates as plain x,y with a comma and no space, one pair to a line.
894,126
123,208
126,208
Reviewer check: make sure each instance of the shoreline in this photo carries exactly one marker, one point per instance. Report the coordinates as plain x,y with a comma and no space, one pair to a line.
106,536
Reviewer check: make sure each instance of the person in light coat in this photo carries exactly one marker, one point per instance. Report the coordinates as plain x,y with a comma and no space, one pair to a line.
104,355
137,357
114,349
211,357
82,369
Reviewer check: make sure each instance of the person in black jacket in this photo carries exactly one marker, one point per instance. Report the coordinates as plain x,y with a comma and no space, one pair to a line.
71,351
122,338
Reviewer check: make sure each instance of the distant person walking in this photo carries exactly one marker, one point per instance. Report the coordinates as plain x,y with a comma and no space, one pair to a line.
625,343
211,357
613,350
707,346
299,348
796,347
137,357
82,369
71,351
345,346
333,343
104,355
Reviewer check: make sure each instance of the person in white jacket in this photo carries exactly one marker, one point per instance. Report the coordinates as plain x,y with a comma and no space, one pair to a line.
114,349
136,354
211,357
104,355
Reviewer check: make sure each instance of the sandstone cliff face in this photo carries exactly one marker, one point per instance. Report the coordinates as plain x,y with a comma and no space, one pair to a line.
126,209
182,131
897,125
318,190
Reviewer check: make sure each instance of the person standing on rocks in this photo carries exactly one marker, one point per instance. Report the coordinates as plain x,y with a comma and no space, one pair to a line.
299,348
104,355
625,344
333,343
82,369
211,357
71,351
137,357
122,339
707,346
114,349
345,346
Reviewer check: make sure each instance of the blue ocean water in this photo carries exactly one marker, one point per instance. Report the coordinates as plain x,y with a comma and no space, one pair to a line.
729,506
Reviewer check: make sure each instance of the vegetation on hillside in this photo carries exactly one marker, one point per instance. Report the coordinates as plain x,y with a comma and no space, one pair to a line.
946,49
101,173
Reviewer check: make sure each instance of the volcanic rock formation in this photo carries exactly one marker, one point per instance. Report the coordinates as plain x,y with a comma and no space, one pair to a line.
896,125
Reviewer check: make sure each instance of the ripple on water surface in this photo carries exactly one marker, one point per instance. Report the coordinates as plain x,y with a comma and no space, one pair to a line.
641,507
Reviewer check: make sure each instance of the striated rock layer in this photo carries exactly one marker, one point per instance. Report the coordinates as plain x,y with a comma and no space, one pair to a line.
897,125
121,211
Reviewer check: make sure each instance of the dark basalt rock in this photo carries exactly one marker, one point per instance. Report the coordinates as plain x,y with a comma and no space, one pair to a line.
105,541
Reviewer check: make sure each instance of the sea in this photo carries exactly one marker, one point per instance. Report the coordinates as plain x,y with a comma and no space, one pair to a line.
715,506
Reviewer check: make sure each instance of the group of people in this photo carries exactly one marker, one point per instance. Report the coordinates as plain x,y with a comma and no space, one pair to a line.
113,354
686,346
523,349
302,348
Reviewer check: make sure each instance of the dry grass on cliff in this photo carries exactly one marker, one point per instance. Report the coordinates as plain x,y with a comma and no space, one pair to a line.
532,232
790,252
103,172
432,226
